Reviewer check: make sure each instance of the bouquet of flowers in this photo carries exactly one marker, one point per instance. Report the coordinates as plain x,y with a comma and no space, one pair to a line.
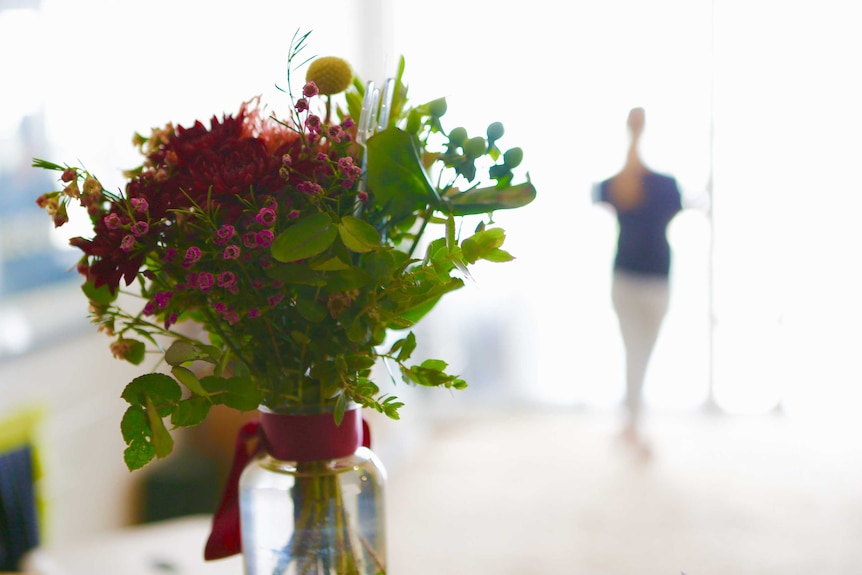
294,245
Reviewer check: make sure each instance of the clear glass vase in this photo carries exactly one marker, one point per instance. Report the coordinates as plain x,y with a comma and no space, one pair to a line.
313,516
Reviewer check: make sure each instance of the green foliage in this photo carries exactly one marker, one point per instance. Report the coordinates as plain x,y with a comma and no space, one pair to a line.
328,259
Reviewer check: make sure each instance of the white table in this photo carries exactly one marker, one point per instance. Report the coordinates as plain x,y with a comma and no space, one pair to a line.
170,547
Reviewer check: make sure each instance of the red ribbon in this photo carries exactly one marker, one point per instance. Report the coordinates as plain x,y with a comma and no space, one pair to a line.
288,438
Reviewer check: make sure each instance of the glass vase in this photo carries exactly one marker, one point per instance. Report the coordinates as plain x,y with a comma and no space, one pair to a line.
312,501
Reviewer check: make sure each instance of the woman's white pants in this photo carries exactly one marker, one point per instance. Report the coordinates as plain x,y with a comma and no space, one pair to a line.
640,303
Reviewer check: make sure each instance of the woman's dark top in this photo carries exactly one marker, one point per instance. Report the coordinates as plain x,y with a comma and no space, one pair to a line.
642,246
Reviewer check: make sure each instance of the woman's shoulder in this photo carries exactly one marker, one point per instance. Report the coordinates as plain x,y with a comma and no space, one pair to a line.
660,177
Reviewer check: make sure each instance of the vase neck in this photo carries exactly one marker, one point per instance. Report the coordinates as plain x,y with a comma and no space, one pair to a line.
313,437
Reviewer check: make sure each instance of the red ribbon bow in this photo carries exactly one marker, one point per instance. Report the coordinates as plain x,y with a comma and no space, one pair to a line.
288,438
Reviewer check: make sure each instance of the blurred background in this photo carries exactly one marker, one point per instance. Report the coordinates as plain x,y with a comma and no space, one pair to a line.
752,105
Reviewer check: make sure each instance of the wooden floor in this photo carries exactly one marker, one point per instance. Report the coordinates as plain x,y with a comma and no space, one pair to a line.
555,491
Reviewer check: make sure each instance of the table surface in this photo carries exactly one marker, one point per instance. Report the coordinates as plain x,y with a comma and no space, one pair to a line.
173,546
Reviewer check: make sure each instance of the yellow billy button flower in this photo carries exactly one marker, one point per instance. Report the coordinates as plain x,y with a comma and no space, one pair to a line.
330,74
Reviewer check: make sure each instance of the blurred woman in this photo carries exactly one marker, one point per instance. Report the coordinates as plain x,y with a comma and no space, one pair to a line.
644,202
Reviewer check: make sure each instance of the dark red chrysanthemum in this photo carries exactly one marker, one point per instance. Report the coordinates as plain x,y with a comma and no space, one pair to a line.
230,170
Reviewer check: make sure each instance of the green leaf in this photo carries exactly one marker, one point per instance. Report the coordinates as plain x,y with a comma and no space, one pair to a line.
340,406
138,453
498,256
182,351
137,428
159,388
435,364
485,200
134,424
188,378
485,245
191,411
308,237
136,352
101,295
236,392
359,236
359,361
420,302
310,309
297,274
404,347
161,440
357,331
346,280
330,265
383,263
396,178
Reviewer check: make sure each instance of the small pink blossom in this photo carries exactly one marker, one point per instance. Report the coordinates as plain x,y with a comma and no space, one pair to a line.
140,228
293,214
231,252
249,240
264,238
193,254
309,188
140,205
162,299
128,243
112,221
312,122
275,299
69,174
301,105
226,279
223,234
310,90
265,217
253,313
206,281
